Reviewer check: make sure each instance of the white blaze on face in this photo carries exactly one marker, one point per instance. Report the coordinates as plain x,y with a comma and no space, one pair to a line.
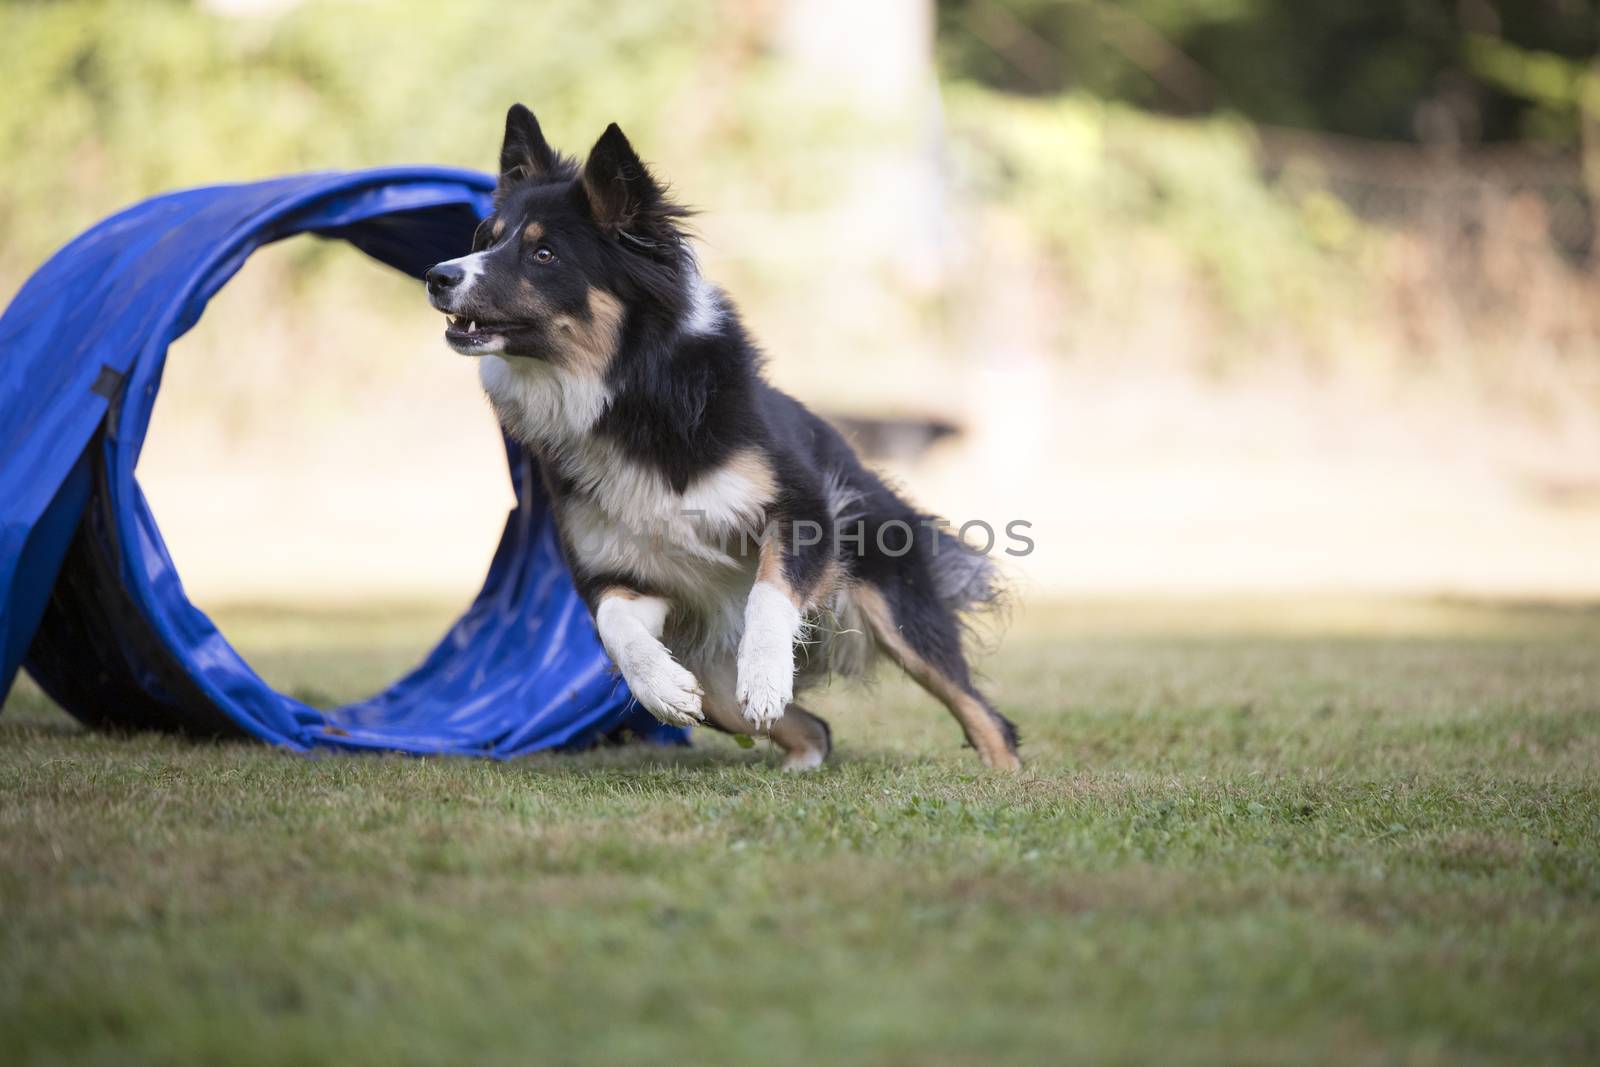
481,344
471,270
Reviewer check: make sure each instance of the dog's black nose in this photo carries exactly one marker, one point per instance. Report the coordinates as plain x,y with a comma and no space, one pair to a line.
443,277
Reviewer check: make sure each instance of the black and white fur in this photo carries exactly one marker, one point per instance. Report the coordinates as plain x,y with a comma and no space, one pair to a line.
730,544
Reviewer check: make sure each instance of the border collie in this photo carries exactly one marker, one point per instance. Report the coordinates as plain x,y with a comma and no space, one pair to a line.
731,546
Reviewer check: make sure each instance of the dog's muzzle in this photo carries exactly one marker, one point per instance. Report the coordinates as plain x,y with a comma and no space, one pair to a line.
443,280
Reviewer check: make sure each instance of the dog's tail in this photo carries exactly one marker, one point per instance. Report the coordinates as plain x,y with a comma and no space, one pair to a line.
967,582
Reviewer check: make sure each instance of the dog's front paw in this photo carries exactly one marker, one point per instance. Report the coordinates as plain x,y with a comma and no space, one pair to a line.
665,689
766,680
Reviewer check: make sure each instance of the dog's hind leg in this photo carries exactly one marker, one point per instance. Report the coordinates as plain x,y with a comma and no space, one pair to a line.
804,738
924,637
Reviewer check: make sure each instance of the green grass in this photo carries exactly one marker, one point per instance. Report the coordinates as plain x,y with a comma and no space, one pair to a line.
1262,832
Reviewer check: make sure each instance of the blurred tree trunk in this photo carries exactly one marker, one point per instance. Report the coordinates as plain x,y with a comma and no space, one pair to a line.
876,60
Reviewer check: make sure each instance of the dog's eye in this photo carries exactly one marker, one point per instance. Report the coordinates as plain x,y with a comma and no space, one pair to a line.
543,254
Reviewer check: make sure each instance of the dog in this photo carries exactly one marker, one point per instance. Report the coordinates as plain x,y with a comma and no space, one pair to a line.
730,545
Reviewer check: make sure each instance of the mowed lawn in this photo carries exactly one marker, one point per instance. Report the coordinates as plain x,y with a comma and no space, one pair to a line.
1250,832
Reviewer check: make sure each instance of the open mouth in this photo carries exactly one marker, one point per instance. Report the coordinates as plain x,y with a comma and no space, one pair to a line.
466,332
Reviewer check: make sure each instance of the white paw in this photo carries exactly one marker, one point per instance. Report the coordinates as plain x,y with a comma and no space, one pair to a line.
667,690
766,680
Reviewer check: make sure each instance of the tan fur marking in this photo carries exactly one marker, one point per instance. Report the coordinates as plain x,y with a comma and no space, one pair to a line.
498,229
620,591
770,569
591,345
828,584
980,727
532,232
753,467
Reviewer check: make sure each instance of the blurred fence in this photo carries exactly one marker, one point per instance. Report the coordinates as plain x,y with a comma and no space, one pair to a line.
1493,256
1446,188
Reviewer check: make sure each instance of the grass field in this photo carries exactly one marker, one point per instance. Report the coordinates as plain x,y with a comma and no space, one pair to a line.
1260,832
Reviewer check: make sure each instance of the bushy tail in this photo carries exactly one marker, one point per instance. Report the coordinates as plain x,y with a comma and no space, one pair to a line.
966,581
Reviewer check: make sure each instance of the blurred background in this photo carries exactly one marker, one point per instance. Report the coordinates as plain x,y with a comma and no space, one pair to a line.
1221,296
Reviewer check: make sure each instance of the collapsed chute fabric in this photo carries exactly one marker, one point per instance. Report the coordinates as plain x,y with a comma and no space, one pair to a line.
90,602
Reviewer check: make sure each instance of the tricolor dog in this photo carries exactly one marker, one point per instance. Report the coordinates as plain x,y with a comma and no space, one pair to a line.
731,546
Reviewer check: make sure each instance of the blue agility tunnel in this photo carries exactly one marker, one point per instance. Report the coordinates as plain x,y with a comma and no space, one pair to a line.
90,602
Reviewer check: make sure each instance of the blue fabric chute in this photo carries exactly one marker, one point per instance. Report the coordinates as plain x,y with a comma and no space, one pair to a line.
90,602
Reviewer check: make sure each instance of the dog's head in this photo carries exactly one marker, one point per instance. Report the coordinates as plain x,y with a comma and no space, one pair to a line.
565,252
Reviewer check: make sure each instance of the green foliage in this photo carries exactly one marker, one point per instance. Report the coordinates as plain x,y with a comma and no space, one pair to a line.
1096,181
1555,82
111,101
1361,67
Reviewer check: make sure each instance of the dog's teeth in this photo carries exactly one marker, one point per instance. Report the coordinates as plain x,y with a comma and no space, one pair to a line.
455,320
472,327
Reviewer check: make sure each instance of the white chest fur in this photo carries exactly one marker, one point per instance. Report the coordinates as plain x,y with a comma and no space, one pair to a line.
622,516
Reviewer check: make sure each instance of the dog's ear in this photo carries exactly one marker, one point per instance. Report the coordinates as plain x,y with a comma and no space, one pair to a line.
617,185
526,155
